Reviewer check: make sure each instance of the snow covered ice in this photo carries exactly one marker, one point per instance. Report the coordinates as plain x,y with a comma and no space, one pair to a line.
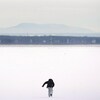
74,69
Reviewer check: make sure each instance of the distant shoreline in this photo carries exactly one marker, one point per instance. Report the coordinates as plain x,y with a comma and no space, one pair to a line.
49,40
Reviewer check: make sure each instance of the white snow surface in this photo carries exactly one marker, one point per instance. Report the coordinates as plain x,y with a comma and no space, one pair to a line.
74,69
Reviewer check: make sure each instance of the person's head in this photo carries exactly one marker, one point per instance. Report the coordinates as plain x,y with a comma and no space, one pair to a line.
50,79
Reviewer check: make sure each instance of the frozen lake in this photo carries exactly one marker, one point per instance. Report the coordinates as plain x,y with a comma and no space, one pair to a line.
74,69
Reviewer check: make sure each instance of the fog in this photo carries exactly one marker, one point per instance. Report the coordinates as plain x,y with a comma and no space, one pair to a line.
76,13
74,69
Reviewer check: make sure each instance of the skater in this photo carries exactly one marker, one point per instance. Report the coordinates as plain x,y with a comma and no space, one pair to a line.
50,85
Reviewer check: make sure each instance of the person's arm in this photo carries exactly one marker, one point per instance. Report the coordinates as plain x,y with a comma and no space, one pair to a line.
53,84
44,84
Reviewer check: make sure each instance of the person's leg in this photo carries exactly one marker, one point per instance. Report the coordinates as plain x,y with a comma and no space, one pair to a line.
51,91
48,91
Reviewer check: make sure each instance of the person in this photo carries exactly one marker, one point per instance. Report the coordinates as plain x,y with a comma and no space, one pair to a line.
50,84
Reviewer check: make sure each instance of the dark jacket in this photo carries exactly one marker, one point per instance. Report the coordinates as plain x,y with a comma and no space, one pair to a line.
49,83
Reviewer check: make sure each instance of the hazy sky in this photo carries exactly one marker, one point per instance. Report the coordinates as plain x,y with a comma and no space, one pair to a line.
75,70
81,13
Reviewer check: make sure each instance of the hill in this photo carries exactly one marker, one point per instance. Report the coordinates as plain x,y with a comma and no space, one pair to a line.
31,29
